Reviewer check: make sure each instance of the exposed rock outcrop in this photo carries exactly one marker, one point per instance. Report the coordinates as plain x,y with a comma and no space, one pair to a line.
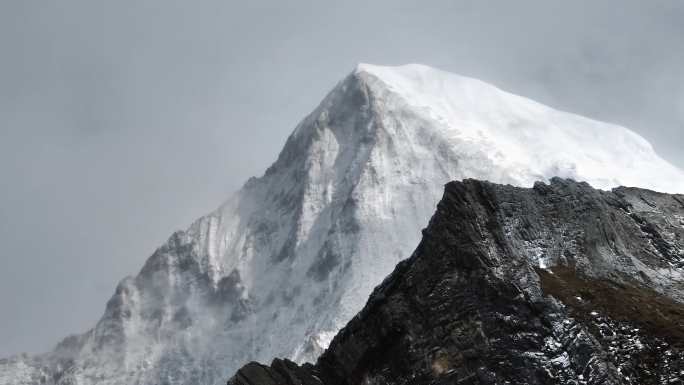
557,284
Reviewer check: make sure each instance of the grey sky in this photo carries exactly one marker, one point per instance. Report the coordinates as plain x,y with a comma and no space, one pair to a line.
123,121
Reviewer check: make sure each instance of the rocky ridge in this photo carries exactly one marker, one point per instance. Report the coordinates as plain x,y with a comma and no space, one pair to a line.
557,284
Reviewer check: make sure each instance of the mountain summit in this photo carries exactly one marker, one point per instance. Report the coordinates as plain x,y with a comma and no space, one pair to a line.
281,266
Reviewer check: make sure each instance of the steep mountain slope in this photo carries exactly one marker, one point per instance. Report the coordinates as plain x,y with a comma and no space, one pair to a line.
301,248
559,284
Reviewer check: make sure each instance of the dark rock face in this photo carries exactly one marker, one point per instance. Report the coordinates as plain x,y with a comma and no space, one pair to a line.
558,284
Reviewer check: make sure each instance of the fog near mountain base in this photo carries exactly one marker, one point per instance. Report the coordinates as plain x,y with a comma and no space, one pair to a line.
121,122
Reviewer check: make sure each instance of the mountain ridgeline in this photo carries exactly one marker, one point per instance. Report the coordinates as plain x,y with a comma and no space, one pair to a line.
291,257
556,284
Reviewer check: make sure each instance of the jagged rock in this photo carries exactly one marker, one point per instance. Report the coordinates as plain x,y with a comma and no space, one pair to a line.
558,284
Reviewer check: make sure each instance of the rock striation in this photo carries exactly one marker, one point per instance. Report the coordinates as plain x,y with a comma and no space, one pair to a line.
556,284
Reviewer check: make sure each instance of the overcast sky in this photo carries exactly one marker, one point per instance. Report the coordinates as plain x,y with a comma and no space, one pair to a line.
122,121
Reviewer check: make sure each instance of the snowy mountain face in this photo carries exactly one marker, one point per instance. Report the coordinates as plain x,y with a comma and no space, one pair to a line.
280,267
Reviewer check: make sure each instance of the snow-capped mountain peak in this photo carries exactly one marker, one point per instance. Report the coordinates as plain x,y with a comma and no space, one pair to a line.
525,138
290,258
